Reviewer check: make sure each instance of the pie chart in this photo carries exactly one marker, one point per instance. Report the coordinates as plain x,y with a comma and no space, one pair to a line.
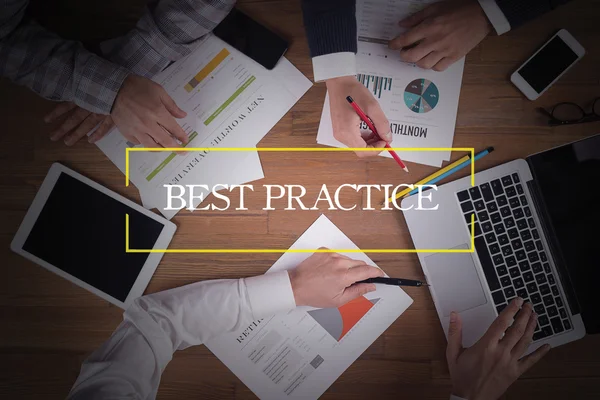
339,321
421,96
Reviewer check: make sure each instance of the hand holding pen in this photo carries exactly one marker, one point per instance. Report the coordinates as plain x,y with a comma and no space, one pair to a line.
367,120
346,122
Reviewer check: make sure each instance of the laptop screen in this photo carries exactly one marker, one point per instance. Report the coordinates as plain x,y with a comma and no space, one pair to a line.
567,178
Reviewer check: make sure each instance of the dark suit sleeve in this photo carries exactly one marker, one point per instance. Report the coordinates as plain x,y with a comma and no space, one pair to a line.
330,26
518,12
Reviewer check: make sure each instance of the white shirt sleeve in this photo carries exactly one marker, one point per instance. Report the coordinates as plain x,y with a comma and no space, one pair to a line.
334,65
495,16
130,363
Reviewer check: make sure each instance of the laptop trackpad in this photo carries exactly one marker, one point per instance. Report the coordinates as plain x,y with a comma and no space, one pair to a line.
455,281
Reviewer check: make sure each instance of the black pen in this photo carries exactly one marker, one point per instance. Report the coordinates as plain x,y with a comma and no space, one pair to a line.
394,281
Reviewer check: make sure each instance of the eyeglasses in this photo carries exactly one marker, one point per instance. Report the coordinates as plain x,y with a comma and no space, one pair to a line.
571,113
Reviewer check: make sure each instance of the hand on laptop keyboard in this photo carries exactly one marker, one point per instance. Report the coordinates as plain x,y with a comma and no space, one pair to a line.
490,366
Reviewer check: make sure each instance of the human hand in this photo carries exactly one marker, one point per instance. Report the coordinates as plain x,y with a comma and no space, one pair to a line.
78,124
143,112
345,121
442,33
490,366
328,280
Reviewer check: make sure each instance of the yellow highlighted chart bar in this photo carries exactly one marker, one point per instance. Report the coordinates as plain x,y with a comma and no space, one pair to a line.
208,68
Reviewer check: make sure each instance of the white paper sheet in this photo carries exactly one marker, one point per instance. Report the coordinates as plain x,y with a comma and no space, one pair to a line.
325,137
233,105
231,101
249,170
299,354
421,105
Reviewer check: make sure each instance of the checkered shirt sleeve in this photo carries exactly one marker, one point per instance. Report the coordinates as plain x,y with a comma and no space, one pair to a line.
63,70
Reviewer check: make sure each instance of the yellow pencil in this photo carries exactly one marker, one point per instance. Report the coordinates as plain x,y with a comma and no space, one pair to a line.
432,176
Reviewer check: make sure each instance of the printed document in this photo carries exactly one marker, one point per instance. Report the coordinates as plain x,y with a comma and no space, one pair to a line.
230,100
248,169
299,354
421,105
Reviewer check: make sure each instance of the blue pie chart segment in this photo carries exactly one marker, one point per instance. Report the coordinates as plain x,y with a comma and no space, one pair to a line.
421,96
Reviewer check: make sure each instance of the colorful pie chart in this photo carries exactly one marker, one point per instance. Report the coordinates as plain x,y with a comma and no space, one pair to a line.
421,96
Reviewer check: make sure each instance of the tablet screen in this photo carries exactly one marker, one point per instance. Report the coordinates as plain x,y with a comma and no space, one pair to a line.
81,231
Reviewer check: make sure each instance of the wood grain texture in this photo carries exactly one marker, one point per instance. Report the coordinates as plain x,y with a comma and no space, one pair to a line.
49,325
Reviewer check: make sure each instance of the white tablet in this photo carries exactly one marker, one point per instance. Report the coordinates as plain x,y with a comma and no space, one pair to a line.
76,229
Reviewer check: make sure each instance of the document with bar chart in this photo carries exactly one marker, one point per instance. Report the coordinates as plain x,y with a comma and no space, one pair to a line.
300,353
230,101
377,23
421,105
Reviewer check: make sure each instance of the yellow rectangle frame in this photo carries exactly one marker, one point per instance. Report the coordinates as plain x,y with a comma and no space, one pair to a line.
297,149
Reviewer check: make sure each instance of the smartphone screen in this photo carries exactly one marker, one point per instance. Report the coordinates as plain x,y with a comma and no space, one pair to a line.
251,38
547,65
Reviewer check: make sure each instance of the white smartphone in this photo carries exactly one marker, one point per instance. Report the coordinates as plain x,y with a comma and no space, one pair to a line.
547,65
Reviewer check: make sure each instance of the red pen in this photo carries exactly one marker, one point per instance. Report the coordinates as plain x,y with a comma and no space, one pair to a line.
371,126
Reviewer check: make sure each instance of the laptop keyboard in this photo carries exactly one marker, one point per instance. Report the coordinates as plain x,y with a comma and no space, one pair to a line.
511,253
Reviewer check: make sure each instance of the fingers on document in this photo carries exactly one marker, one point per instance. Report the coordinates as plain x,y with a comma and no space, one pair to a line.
415,19
171,106
445,63
105,126
161,136
417,53
84,128
409,38
428,61
146,140
173,128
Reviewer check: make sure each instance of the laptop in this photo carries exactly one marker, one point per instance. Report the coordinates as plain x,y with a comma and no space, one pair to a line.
536,236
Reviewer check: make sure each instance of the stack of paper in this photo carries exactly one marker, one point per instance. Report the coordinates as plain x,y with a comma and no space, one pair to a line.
421,105
231,101
299,354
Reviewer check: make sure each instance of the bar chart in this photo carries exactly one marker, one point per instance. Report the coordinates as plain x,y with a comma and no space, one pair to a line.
207,70
377,84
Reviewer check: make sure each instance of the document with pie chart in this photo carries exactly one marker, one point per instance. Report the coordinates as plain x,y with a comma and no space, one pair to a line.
420,104
421,96
339,321
298,354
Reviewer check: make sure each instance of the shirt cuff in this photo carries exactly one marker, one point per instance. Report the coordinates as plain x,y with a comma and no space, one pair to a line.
270,294
495,16
334,65
98,84
453,397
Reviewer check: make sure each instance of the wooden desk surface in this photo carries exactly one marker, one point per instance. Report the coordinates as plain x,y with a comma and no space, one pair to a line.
49,325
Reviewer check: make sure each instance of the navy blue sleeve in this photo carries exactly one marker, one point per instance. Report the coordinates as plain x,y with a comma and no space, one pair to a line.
330,26
518,12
